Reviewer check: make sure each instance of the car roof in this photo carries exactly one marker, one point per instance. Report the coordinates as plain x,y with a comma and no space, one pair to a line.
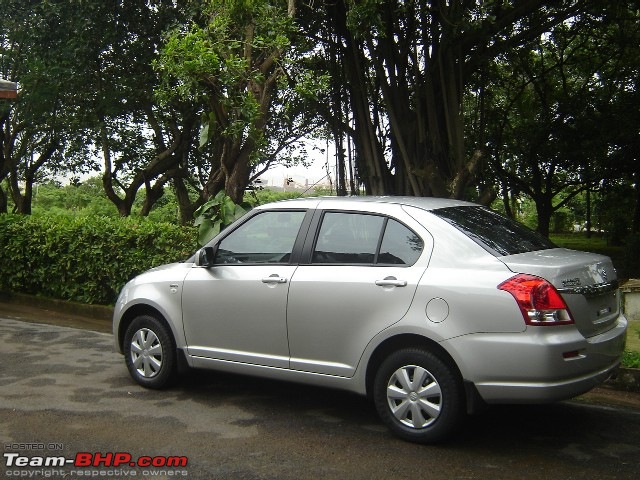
425,203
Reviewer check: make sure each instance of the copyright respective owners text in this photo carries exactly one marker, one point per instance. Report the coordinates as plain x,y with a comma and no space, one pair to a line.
57,460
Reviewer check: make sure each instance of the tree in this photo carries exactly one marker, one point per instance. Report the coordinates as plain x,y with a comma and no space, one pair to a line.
236,58
32,127
405,68
548,108
621,115
143,145
87,92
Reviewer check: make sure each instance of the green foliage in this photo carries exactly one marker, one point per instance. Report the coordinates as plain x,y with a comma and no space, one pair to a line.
597,243
631,257
633,337
558,114
260,197
223,60
612,207
631,359
88,198
77,199
246,64
219,212
84,259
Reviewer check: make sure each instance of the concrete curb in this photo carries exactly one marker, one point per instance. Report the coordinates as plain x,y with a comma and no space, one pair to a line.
97,312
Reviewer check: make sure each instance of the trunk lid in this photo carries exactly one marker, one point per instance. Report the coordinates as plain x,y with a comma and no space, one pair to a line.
586,281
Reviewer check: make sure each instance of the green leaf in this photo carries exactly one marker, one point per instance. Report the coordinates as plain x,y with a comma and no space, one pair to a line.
204,135
208,230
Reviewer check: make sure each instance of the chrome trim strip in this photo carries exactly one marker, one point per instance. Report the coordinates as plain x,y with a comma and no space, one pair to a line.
591,290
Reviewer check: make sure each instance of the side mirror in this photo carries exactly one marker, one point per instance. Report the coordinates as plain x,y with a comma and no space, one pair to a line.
206,257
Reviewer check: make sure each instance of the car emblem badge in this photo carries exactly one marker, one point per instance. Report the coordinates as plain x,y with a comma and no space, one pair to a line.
571,282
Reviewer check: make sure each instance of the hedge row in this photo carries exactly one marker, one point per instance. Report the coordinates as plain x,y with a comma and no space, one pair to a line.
84,259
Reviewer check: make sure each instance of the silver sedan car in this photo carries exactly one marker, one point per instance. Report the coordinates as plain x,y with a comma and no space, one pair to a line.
432,307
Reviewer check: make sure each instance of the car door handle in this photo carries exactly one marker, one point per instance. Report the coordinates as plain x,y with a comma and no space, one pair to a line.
275,278
391,282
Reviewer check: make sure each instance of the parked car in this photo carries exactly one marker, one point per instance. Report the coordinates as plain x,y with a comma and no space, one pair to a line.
432,307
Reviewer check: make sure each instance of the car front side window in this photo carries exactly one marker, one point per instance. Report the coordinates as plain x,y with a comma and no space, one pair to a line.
265,238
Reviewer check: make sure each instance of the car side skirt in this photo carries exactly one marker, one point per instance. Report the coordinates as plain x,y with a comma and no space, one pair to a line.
276,373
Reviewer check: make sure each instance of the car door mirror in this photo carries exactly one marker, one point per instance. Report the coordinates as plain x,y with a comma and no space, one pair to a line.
206,257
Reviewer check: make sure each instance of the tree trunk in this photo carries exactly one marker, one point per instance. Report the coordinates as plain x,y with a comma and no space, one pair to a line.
371,164
544,209
153,194
23,201
635,224
588,201
124,210
3,201
185,206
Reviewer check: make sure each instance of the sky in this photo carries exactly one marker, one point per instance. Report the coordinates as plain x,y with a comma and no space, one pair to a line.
316,172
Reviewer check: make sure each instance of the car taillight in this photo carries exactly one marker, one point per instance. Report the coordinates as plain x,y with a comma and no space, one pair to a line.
539,301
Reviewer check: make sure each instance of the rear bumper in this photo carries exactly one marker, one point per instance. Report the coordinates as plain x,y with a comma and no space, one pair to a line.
540,365
542,392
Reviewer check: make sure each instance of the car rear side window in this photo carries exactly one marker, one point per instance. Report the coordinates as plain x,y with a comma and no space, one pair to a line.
497,234
354,238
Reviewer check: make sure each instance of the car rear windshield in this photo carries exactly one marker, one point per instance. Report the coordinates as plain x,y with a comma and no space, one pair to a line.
497,234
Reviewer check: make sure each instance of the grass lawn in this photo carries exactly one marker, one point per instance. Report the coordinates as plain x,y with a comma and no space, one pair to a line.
633,337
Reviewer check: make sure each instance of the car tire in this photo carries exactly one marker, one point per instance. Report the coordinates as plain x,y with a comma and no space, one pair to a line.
150,352
419,396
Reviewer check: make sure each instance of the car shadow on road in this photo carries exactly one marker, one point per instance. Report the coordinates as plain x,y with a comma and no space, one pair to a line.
279,404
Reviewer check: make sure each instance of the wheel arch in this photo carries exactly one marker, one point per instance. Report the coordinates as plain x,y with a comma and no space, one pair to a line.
136,311
139,309
474,402
400,342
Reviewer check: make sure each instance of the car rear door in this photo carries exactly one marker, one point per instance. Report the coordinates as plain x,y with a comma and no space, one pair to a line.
360,277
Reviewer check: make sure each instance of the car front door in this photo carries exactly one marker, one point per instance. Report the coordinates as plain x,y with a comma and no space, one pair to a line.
236,310
360,279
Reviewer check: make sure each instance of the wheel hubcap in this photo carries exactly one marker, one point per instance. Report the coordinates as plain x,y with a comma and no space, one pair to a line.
414,396
146,353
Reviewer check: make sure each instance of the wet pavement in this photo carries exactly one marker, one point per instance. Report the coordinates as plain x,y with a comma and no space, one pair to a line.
66,391
63,388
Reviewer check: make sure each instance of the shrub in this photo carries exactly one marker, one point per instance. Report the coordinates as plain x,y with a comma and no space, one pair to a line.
84,259
631,359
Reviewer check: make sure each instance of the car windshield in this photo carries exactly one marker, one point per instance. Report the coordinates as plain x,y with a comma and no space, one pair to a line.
497,234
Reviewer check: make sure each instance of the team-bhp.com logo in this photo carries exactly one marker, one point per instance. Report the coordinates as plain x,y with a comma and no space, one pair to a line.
86,459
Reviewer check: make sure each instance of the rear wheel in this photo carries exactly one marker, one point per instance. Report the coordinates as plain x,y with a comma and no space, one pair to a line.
418,396
150,352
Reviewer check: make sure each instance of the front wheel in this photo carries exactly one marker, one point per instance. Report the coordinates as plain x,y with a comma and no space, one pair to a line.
418,396
150,352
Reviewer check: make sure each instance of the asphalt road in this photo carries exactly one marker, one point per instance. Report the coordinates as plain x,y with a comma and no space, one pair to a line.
64,391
